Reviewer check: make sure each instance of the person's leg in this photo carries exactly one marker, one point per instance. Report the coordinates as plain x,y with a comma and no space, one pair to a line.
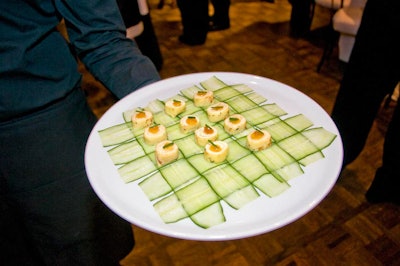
194,14
371,74
386,184
42,165
220,19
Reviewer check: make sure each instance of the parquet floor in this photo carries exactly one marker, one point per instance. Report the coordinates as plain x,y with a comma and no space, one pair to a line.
343,229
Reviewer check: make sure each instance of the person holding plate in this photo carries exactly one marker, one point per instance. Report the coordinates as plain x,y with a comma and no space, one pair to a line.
49,214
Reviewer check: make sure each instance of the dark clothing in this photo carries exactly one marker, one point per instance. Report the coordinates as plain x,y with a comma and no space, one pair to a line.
371,74
36,59
195,19
49,213
221,12
147,40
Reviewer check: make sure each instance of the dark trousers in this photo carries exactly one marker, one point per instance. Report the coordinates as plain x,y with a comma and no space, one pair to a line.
49,215
195,19
221,12
371,74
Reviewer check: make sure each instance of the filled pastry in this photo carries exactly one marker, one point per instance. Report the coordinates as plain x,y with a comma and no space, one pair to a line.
154,134
216,151
142,119
234,124
258,140
166,152
174,107
189,123
203,98
218,112
205,134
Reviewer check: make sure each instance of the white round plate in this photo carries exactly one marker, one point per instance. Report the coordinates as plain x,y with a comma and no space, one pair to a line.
260,216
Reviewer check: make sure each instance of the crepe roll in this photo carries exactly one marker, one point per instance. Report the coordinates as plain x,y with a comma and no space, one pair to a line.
166,152
258,140
218,112
174,107
142,119
216,152
154,134
189,123
203,98
205,134
235,124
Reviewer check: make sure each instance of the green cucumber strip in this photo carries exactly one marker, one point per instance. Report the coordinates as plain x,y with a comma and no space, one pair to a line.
190,109
226,93
241,197
163,118
241,103
311,158
191,91
280,130
155,106
127,115
299,122
178,173
188,146
242,88
257,116
125,152
170,209
147,148
222,134
274,109
115,134
236,151
136,169
289,171
200,163
274,157
155,186
298,146
250,167
196,196
256,98
321,137
213,84
174,132
210,216
225,180
270,185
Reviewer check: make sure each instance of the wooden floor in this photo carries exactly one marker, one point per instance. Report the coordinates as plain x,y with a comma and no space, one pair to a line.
344,229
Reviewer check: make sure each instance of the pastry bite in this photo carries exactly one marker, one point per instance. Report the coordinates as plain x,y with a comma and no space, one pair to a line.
258,140
205,134
174,107
189,123
216,151
218,112
203,98
154,134
234,124
166,152
141,119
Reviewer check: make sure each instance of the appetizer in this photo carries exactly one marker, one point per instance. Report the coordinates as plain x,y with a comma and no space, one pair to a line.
174,107
216,152
235,124
142,119
189,123
155,134
204,134
218,112
166,152
258,140
203,98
